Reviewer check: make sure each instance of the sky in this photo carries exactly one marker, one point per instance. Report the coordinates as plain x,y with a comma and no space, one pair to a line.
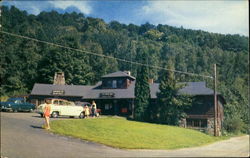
217,16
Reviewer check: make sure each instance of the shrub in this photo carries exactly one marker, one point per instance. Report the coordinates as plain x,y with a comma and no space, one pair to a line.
234,125
4,98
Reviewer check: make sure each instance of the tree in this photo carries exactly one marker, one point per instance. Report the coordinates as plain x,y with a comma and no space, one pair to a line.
142,91
72,63
170,104
153,34
24,62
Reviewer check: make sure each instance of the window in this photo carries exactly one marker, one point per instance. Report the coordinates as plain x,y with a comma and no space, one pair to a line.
114,84
67,103
109,83
108,106
201,123
120,84
124,110
61,102
56,102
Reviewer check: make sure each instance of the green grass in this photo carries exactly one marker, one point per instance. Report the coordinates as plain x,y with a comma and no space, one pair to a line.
121,133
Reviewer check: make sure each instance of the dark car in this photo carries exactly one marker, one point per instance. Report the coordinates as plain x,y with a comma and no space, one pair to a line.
17,104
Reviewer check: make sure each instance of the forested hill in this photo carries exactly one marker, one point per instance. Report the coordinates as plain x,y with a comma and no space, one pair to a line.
25,62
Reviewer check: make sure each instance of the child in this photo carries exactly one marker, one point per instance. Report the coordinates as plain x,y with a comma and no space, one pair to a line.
86,111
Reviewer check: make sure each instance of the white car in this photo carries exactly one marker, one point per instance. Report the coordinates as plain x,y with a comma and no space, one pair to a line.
61,107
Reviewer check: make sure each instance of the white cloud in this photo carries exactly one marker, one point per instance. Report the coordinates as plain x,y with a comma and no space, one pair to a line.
35,7
83,6
213,16
35,10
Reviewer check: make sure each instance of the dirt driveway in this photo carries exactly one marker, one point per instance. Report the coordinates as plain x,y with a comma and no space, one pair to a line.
22,137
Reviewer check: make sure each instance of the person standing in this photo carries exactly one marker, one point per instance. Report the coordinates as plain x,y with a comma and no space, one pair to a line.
93,109
86,111
46,113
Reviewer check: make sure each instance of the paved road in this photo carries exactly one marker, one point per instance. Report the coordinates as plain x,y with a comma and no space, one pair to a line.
22,137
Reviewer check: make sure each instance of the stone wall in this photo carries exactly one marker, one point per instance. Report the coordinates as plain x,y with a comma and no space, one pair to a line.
210,126
183,123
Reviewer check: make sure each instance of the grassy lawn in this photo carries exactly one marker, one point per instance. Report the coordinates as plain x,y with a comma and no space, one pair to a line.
121,133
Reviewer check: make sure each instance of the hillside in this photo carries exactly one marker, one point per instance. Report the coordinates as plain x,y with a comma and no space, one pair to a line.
25,62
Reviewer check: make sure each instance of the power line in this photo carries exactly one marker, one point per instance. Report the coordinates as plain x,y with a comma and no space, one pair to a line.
101,55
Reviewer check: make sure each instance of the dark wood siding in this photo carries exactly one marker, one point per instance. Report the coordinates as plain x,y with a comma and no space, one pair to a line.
121,83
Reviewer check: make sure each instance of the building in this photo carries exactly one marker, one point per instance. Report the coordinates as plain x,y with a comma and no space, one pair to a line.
114,95
201,115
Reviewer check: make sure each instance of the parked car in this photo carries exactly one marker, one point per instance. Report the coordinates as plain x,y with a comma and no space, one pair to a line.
17,104
62,107
78,103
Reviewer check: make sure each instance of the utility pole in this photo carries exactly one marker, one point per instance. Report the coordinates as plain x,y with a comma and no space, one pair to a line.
0,16
215,103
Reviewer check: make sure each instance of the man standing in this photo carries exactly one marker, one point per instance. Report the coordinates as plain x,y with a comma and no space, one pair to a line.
93,109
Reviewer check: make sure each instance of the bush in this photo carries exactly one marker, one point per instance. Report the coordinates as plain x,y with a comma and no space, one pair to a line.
234,125
4,98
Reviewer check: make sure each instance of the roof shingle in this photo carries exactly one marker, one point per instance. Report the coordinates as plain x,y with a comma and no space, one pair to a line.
118,74
93,92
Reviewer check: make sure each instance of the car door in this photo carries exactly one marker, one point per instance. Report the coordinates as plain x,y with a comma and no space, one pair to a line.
73,109
28,106
24,105
70,109
15,105
55,106
63,108
20,106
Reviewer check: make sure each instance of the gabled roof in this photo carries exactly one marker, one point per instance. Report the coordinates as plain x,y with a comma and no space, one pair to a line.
195,88
120,93
69,90
118,74
94,92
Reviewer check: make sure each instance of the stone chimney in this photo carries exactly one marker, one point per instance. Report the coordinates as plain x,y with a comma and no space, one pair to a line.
150,81
128,72
59,78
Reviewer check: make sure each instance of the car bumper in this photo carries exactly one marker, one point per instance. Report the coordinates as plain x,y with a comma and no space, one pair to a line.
39,112
6,109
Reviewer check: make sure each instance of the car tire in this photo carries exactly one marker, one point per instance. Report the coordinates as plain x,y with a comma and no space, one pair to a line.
81,116
41,115
54,114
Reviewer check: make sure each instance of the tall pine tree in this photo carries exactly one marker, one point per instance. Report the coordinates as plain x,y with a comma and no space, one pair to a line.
170,104
142,90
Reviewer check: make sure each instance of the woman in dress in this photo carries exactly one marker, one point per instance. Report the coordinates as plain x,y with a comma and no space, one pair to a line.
46,113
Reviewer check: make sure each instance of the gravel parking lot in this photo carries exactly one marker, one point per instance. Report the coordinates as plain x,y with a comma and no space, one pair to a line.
23,137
